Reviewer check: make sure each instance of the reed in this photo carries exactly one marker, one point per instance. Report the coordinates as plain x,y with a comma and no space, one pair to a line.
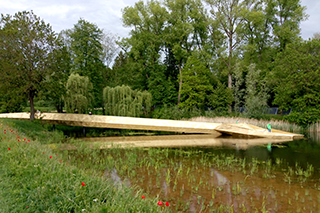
276,124
315,127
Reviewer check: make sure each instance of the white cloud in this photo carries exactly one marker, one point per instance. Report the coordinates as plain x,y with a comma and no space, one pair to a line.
63,14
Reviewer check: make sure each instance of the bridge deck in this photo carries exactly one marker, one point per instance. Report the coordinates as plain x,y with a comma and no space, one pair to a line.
118,122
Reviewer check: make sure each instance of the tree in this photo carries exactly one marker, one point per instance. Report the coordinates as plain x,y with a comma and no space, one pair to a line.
55,84
316,35
256,98
123,101
228,16
184,32
26,42
87,54
195,84
109,46
286,18
296,76
144,48
78,95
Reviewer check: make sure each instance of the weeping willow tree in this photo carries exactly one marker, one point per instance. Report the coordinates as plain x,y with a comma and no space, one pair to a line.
123,101
78,95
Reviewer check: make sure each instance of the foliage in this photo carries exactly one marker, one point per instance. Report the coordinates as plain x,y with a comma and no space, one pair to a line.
238,90
78,95
26,43
175,112
123,101
256,93
55,83
195,83
220,99
304,118
87,54
296,78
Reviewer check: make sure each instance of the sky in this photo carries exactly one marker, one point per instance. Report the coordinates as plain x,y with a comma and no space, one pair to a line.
106,14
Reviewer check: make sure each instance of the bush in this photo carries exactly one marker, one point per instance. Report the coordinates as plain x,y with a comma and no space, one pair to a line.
304,118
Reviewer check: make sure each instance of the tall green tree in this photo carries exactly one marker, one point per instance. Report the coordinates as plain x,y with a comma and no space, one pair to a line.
145,44
87,54
228,17
296,76
184,32
195,83
55,84
78,95
286,18
26,42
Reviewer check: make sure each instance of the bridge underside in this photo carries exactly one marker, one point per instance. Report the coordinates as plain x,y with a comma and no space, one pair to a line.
235,129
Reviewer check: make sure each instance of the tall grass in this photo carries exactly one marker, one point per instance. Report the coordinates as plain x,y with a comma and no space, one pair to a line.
276,124
315,127
33,178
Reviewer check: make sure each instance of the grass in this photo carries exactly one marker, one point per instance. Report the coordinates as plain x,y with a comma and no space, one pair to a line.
34,178
276,124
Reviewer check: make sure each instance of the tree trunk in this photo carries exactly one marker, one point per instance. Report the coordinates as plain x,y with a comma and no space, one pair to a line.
180,84
31,96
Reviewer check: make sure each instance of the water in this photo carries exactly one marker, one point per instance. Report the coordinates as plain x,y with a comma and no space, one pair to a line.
230,176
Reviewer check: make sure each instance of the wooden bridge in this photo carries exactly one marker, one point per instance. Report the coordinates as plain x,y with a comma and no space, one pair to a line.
101,121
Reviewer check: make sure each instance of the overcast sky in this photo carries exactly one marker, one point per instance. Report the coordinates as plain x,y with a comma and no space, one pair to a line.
63,14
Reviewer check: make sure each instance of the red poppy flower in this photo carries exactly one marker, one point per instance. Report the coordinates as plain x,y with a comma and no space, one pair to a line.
83,184
18,137
50,156
43,152
160,203
28,140
143,197
9,148
24,139
27,207
5,133
167,204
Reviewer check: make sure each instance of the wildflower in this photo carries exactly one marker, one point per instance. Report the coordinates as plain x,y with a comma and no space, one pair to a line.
18,139
43,152
160,203
83,210
50,156
27,207
29,140
83,184
167,204
24,139
9,148
143,197
95,200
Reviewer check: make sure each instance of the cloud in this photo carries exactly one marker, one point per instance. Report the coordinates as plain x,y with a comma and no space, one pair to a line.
106,14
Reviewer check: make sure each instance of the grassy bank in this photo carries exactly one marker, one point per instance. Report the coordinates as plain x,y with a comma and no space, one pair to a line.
35,179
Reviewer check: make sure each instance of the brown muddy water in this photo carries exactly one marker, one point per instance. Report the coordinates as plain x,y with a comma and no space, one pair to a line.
233,175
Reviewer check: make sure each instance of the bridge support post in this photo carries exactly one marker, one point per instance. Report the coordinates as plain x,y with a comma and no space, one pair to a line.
84,131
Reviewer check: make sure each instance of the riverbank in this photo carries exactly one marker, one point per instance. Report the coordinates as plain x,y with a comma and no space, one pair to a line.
35,179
